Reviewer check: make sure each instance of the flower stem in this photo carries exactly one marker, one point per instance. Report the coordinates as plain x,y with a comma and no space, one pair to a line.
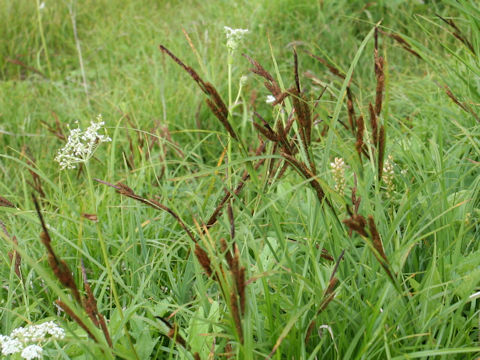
42,37
229,144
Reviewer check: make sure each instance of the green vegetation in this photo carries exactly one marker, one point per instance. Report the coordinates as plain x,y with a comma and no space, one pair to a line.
318,227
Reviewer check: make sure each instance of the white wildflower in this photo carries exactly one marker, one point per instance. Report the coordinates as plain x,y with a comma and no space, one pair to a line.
81,145
234,36
32,352
28,339
388,176
55,331
270,99
38,333
10,345
338,169
41,6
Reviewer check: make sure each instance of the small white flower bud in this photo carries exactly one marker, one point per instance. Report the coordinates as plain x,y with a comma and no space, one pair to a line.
270,99
243,80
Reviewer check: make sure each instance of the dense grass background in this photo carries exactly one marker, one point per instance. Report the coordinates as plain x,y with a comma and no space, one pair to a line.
429,225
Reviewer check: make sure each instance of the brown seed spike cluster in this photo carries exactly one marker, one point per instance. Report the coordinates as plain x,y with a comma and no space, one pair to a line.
304,118
214,100
236,315
231,219
75,318
64,275
265,129
377,146
360,129
285,144
380,84
236,293
295,67
270,83
379,74
203,259
90,306
461,105
59,267
357,223
351,111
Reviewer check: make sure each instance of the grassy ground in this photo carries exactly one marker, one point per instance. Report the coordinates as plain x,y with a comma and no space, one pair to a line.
381,267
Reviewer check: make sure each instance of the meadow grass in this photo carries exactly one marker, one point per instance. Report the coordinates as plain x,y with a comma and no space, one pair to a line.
199,234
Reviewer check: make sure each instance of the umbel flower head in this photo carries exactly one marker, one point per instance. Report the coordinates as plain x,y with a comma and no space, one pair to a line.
234,36
81,145
27,340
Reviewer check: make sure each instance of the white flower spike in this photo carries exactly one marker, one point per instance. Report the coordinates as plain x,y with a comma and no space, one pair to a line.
338,168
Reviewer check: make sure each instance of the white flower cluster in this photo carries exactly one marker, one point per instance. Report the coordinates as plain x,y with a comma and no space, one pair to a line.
81,145
21,339
338,169
234,36
388,175
32,352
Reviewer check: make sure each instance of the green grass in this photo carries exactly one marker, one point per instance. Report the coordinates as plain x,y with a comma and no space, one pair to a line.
167,146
